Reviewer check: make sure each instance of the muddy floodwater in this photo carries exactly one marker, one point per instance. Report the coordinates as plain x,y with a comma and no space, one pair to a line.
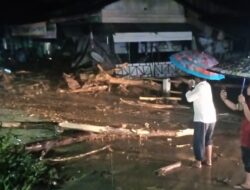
132,162
132,166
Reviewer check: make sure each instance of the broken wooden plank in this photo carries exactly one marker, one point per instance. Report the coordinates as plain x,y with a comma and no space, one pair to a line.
166,169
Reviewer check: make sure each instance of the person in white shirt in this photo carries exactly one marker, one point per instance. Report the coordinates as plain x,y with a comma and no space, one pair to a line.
204,120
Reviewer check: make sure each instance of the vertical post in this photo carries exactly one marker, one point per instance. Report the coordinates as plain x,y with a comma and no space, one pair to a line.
243,85
166,86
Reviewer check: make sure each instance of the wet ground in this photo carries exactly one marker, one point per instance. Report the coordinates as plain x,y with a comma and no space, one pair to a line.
133,162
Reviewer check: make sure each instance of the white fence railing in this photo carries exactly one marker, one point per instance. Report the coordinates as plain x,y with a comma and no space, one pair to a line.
156,70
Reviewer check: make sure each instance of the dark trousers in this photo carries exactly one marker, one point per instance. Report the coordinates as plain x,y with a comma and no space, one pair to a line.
245,154
203,133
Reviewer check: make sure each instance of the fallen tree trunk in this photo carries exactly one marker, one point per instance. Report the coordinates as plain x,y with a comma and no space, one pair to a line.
165,170
80,155
102,129
139,132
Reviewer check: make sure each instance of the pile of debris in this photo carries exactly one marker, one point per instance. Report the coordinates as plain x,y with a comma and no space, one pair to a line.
24,82
104,81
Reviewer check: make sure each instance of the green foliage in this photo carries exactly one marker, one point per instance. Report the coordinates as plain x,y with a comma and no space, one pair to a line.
20,170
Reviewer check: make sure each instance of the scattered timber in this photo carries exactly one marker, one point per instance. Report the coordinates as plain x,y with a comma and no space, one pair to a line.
102,79
102,131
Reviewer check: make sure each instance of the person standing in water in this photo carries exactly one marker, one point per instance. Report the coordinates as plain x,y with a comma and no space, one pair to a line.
244,106
200,94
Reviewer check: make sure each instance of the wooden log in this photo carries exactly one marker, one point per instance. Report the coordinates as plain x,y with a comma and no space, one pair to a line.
59,159
91,89
102,129
159,98
166,169
154,106
143,104
173,98
182,145
139,132
175,92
